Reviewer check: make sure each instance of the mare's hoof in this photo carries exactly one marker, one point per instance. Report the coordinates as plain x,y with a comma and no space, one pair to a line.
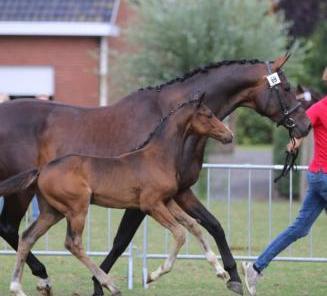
44,291
236,287
98,294
44,287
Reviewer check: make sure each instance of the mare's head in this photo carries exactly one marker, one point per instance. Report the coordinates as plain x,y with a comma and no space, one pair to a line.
273,97
205,123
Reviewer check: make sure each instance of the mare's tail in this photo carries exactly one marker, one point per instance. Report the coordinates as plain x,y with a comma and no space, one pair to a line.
18,182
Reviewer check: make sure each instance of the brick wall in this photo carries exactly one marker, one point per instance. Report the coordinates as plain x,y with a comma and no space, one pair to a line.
74,59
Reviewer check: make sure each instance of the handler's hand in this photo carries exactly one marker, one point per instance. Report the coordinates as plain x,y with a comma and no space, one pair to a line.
293,145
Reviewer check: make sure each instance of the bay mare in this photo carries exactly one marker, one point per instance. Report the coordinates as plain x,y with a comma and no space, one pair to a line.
146,179
33,133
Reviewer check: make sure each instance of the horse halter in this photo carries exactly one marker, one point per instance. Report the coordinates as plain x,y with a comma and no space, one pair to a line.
286,120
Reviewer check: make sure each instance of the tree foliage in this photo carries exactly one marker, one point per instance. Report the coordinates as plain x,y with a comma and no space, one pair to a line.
171,37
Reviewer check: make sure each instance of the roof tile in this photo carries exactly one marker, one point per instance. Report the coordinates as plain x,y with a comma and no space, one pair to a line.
56,10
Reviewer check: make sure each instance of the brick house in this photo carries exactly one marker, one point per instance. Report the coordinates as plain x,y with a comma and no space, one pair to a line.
58,49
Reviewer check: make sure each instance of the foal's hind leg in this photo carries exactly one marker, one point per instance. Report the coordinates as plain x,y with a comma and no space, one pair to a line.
192,226
75,226
47,218
15,207
162,215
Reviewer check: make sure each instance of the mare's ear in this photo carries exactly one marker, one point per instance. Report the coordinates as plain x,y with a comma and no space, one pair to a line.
280,61
300,88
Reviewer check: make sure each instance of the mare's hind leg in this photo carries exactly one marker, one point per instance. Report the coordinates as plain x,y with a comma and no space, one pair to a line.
192,226
14,209
192,206
75,227
162,215
48,217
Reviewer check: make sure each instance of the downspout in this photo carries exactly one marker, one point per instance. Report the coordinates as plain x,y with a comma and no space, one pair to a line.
103,70
104,58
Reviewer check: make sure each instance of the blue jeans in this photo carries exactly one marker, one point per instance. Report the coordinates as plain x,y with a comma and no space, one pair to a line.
314,202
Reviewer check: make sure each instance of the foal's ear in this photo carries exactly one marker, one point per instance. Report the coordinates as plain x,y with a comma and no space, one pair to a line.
280,61
200,99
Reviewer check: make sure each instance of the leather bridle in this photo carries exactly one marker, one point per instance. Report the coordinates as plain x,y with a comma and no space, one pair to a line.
287,120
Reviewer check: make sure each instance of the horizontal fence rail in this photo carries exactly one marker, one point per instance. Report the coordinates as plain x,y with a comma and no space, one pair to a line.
224,189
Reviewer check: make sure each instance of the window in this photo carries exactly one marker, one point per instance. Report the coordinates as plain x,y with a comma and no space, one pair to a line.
27,82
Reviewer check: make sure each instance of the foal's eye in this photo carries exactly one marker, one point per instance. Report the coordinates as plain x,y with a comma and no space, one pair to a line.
210,115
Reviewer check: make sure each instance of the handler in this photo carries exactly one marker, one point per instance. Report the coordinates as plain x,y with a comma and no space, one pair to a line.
314,202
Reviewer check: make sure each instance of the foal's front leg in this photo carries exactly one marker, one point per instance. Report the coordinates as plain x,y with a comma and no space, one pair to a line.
75,227
192,226
162,215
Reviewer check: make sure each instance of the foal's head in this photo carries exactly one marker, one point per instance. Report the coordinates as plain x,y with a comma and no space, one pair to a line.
205,123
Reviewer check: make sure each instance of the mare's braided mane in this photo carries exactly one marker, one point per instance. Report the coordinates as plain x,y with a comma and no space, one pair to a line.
203,69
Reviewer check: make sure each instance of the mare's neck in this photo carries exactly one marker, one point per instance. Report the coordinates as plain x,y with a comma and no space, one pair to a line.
226,87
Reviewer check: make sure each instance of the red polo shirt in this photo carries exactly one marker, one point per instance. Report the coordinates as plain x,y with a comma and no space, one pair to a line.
317,114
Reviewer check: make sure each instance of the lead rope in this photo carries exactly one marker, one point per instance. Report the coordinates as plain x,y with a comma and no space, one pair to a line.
290,160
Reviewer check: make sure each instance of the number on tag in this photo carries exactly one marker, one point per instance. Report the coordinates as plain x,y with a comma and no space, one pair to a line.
273,79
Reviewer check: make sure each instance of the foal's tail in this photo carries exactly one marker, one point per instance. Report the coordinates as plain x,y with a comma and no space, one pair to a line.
19,182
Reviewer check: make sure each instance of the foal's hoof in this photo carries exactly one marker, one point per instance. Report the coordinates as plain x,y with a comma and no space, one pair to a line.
236,287
223,275
149,279
117,293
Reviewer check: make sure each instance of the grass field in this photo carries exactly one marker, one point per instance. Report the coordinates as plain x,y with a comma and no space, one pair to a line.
189,277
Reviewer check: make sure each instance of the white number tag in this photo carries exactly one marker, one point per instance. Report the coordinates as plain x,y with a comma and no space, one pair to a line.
273,79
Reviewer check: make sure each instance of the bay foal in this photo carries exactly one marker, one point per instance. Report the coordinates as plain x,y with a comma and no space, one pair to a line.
147,179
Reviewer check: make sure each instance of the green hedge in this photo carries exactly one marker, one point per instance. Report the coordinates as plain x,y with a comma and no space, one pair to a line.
253,129
281,138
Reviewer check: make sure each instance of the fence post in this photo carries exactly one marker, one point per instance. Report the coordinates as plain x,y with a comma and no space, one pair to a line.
145,252
130,266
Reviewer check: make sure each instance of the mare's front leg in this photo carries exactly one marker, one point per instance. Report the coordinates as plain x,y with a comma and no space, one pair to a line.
191,205
162,215
14,209
128,226
48,217
193,227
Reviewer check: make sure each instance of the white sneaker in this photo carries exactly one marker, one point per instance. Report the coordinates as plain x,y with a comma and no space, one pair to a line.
251,277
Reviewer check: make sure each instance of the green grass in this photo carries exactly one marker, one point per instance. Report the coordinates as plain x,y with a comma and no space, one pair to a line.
189,277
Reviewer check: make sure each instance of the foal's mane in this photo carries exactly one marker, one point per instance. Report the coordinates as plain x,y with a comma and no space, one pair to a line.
163,121
202,69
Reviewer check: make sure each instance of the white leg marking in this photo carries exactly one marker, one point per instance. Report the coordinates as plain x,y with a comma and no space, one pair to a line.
44,283
16,289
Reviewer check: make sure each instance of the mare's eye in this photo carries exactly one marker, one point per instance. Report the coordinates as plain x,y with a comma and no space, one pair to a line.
210,115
